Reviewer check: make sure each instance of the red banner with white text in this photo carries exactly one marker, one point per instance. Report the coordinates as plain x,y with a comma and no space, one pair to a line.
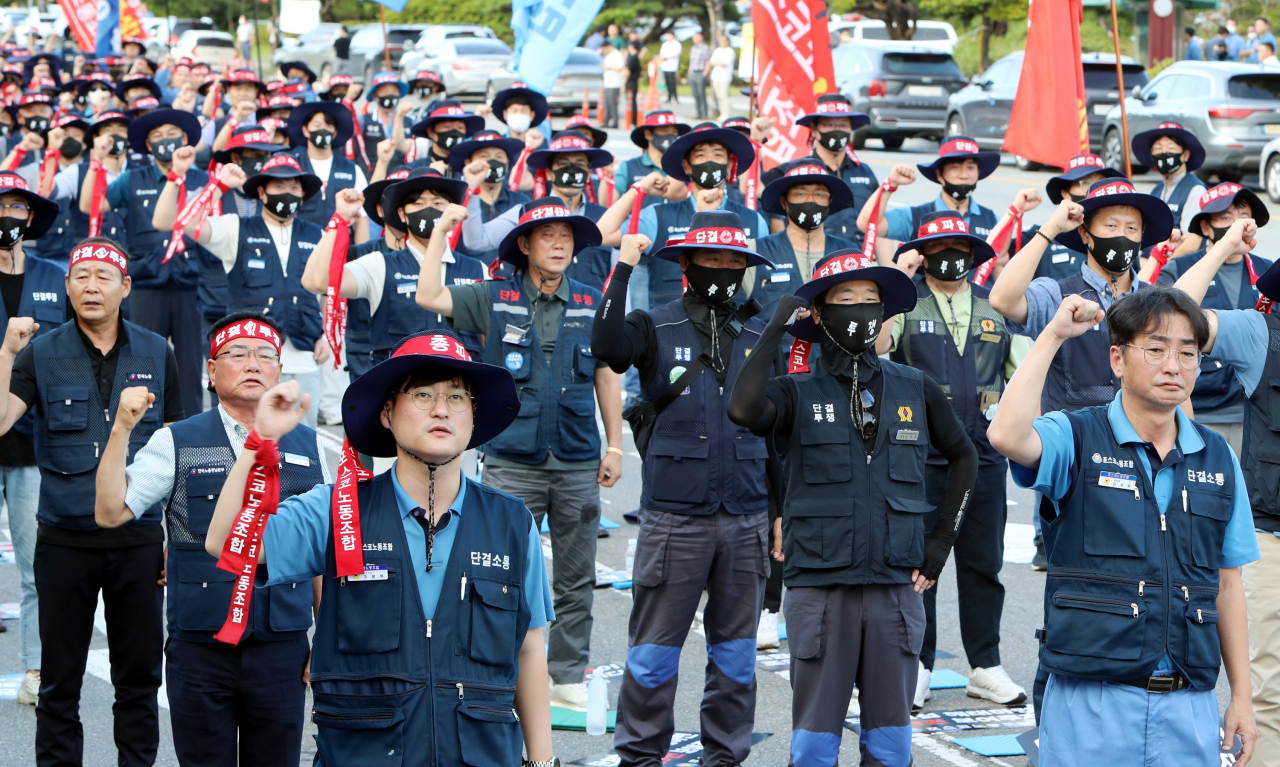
82,17
794,68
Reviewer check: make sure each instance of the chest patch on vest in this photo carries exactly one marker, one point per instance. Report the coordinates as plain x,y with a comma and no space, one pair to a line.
1122,463
684,354
780,277
908,435
379,547
407,288
206,471
904,414
1118,481
486,559
514,361
927,326
1061,258
255,263
44,297
824,412
1206,477
141,377
990,337
296,460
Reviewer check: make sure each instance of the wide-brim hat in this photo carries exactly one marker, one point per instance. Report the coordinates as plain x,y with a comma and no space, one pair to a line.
334,81
897,291
713,230
54,62
106,118
497,403
740,124
448,109
386,78
806,171
418,180
129,83
1222,197
285,66
46,211
484,139
247,137
427,76
263,113
947,225
833,105
283,166
1077,168
243,77
660,118
72,120
373,194
140,127
1157,221
581,123
543,211
537,100
144,105
83,82
302,113
741,153
568,142
960,148
1141,144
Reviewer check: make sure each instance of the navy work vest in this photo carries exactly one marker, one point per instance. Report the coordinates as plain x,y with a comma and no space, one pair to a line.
374,133
785,277
1178,200
342,175
1080,374
200,593
848,519
1127,584
44,296
591,266
557,399
666,278
398,312
258,284
1261,459
73,226
698,460
1058,261
147,246
358,314
388,682
981,222
73,423
636,171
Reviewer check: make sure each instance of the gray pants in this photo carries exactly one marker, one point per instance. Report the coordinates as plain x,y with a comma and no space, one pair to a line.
572,499
677,558
1233,433
842,635
698,85
610,107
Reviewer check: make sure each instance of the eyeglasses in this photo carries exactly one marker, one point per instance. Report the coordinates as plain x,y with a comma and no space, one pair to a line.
240,354
457,400
1188,356
16,210
822,196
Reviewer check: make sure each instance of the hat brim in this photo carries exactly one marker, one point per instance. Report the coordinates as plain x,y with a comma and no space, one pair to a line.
453,188
141,126
672,253
897,294
982,251
373,196
987,164
498,404
303,112
637,134
500,99
1055,187
224,156
473,123
311,184
459,154
285,66
542,158
1258,210
858,118
738,144
265,112
1141,144
771,198
1269,282
150,85
92,131
1157,221
585,235
77,123
45,214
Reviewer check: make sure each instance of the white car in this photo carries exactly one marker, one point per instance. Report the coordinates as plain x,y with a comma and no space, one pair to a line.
1269,169
205,47
937,36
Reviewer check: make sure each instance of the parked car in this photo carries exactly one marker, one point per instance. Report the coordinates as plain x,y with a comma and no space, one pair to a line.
415,52
163,33
313,48
903,89
205,47
1233,108
370,52
465,66
1269,173
982,109
581,72
933,35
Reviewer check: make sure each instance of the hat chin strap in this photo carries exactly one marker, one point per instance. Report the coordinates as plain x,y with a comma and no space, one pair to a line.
431,494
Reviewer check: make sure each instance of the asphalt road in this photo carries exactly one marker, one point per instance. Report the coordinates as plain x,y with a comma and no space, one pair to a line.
1024,590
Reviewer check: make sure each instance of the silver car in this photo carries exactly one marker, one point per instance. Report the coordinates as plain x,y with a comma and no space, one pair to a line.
415,57
313,48
464,66
1233,108
582,72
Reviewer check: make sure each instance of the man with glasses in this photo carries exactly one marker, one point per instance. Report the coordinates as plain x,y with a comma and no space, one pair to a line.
224,699
1146,526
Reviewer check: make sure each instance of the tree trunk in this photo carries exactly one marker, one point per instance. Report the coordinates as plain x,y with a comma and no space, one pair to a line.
984,45
715,14
43,5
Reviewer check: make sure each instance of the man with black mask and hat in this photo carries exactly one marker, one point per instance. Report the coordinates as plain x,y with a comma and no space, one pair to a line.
956,338
384,120
66,139
35,116
653,136
319,131
106,142
1174,152
495,195
704,500
446,126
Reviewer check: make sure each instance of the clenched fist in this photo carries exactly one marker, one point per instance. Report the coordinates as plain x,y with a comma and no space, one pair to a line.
632,246
134,401
20,332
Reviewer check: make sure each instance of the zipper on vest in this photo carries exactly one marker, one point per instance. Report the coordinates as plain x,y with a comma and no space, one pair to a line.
461,687
428,628
1186,591
1100,601
95,450
1097,578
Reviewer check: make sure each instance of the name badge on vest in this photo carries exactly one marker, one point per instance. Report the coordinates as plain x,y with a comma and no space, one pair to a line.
514,334
1061,258
296,460
371,573
1119,482
908,435
255,263
780,277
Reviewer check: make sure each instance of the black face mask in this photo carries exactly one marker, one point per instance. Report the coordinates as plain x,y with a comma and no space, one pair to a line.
283,205
119,145
1167,163
1115,254
12,230
497,172
36,124
958,192
571,176
853,327
807,215
709,175
835,140
448,139
252,166
1218,232
948,264
422,93
322,139
81,101
423,222
163,150
71,148
712,284
661,141
387,102
1077,197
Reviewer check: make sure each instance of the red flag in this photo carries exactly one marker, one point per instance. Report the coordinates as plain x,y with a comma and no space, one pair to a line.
82,17
1049,124
794,48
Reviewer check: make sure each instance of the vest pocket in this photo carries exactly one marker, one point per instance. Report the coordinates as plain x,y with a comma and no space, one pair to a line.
1203,645
584,363
49,315
521,437
488,735
257,272
818,535
1262,463
679,467
749,478
290,606
578,431
359,737
825,453
204,591
494,608
1096,627
361,605
67,408
906,531
1210,513
1115,519
202,498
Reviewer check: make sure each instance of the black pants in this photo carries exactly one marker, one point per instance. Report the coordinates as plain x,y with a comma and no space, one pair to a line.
979,554
172,313
670,77
632,95
226,701
67,582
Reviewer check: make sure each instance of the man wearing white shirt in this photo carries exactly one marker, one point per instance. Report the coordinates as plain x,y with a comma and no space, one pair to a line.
615,74
670,55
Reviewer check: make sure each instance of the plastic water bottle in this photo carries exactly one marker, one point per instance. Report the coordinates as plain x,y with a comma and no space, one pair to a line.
631,554
597,702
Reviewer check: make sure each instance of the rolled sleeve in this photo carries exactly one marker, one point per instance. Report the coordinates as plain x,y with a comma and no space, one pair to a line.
537,587
1240,547
1053,477
296,536
1044,296
1242,342
370,274
898,224
150,476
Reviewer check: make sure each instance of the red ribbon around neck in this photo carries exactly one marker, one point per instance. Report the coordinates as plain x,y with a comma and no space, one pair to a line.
348,551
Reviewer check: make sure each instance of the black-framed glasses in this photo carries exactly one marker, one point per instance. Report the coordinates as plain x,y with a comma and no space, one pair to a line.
424,398
1157,354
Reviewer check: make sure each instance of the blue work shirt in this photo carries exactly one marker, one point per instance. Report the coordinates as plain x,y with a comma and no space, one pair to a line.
1235,44
1194,51
649,220
1044,296
297,537
622,180
898,220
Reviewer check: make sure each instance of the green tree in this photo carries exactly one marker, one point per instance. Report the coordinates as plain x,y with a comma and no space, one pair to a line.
899,16
994,16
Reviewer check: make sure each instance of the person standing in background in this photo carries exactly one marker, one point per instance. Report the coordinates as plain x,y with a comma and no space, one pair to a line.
615,72
1195,51
615,38
633,77
244,36
342,51
721,65
669,55
699,56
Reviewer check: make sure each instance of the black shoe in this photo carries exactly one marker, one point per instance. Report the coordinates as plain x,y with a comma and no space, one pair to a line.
1040,561
632,516
3,628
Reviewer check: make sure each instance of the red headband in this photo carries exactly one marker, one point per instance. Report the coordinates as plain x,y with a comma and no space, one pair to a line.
339,80
835,105
434,345
654,120
1221,190
99,251
248,137
147,102
967,146
850,263
1168,126
1086,160
244,329
807,169
443,112
948,225
571,142
716,235
545,211
279,160
1118,186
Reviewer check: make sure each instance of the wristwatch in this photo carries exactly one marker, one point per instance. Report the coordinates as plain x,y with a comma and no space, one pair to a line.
552,762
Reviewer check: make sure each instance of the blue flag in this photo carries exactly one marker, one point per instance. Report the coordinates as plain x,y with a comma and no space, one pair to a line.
108,28
546,33
393,5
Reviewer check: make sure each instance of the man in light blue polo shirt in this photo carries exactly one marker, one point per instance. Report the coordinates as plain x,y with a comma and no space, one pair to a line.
1146,532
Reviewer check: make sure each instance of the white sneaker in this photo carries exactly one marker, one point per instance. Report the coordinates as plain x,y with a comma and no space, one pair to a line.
994,685
570,696
767,633
29,690
923,692
855,708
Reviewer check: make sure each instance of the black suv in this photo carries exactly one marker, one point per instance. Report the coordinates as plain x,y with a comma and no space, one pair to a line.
903,89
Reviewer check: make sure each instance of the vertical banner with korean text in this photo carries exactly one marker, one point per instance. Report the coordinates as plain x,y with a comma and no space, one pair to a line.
82,17
108,28
546,33
131,20
794,50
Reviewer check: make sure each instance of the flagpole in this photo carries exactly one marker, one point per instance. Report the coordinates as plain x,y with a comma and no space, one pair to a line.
751,104
1124,114
168,28
257,45
386,52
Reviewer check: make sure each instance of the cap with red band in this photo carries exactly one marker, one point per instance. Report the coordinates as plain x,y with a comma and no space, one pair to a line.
248,328
100,251
146,102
